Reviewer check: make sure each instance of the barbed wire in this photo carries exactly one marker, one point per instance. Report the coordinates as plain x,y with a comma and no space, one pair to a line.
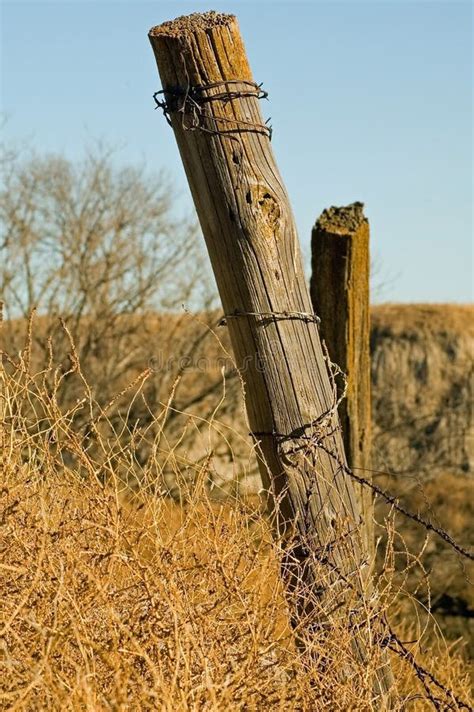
307,317
391,641
388,639
425,676
393,500
191,102
316,437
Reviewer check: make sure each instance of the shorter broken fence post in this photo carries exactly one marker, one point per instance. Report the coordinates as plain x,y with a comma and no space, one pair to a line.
340,296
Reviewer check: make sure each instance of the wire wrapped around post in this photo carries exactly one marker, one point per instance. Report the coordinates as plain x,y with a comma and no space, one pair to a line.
191,102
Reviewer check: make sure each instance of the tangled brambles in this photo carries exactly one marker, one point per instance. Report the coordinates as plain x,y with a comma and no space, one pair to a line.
117,597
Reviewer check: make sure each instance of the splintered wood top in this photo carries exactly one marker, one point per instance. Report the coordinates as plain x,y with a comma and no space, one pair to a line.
188,24
343,220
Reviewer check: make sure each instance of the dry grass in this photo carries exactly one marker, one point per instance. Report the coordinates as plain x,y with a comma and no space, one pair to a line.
116,599
431,318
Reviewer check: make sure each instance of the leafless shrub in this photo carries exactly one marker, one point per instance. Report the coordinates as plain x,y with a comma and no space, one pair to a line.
97,245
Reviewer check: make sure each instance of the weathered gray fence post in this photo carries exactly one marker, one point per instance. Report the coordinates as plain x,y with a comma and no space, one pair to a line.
340,295
212,103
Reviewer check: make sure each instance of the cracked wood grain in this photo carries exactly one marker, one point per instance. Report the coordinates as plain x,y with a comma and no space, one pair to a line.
251,238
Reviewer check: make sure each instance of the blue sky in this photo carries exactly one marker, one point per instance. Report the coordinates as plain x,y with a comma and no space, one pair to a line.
369,101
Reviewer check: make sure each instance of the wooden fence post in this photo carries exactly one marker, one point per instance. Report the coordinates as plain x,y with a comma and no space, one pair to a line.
340,296
212,103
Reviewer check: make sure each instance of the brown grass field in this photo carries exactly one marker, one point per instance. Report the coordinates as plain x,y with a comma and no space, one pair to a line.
116,598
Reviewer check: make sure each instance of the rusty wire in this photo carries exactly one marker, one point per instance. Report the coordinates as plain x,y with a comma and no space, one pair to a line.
315,440
307,317
316,437
394,502
388,639
191,102
393,643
